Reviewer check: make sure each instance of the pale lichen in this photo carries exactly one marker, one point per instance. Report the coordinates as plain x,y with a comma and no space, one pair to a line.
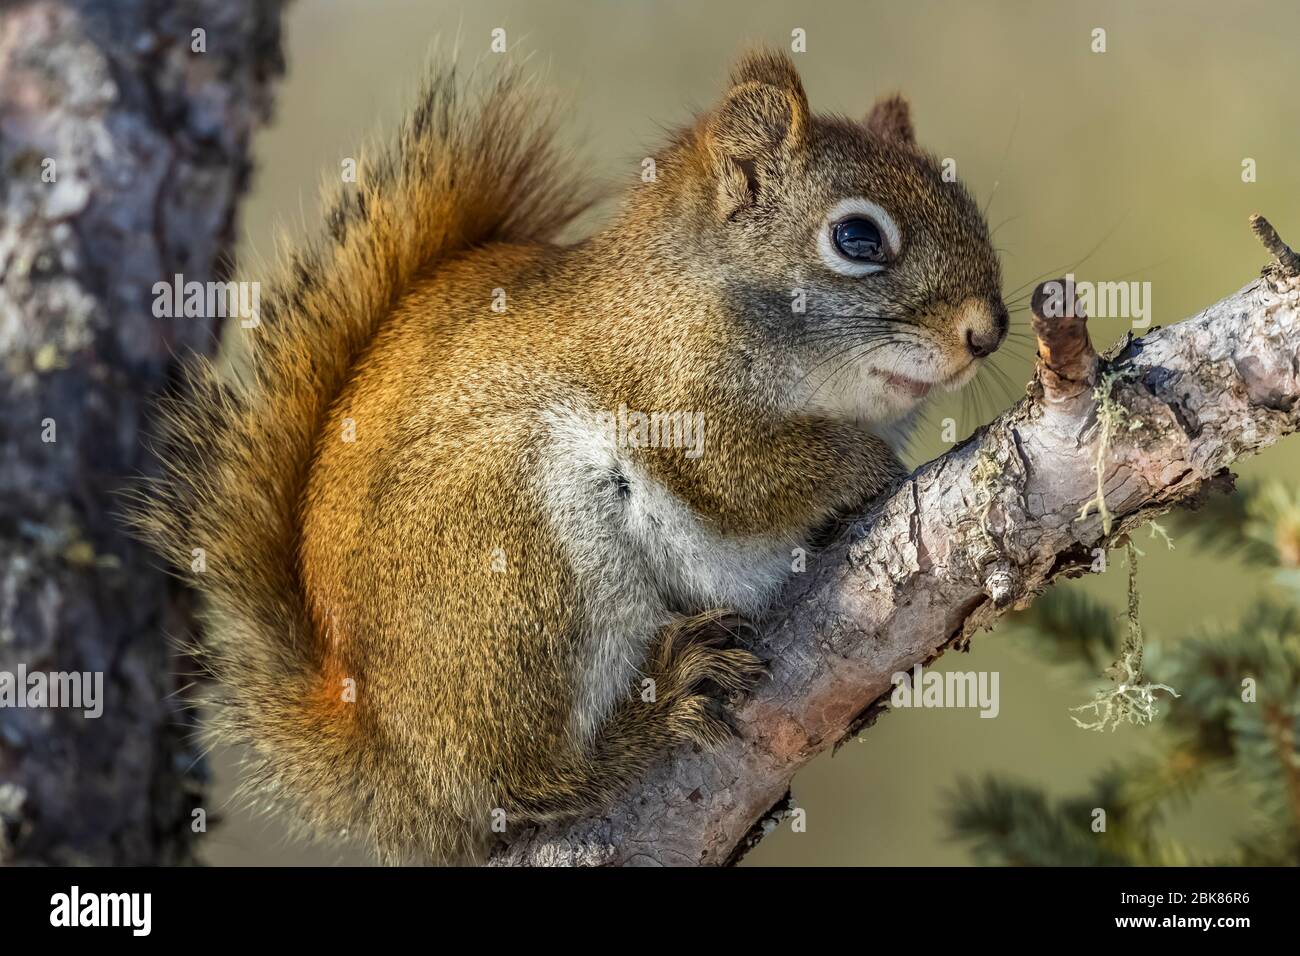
1130,699
985,479
1112,418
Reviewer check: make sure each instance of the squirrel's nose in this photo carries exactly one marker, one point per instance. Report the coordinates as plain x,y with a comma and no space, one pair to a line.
985,342
982,343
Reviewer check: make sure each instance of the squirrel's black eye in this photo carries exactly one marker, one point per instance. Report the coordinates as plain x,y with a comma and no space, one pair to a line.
859,239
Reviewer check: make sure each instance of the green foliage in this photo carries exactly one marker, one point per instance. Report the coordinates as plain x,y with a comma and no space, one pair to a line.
1013,823
1258,525
1078,630
1237,719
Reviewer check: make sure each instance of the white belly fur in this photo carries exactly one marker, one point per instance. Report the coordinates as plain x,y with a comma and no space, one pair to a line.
640,557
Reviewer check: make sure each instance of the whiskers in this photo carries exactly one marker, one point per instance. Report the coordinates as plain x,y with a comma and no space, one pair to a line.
988,394
853,338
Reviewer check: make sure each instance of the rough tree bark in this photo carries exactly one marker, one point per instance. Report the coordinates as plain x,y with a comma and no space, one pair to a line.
123,152
970,535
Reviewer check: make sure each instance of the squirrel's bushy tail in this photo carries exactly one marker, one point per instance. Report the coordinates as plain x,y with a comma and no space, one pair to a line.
471,164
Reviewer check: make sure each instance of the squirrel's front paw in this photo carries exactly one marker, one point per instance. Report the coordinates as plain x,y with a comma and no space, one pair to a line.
705,673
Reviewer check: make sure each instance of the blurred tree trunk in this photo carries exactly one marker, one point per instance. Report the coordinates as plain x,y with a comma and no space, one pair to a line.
124,138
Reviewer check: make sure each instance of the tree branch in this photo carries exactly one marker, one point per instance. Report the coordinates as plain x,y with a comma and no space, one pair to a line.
980,530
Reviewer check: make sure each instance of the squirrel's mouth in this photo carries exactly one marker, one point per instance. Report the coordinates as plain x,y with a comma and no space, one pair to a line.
917,389
912,386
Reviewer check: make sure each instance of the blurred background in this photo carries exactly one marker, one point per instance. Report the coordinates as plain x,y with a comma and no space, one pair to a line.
1122,165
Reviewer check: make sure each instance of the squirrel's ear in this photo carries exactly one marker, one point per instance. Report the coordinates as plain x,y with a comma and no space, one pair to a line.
756,119
891,118
759,125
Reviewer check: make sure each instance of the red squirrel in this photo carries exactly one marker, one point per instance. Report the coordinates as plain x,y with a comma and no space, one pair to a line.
447,584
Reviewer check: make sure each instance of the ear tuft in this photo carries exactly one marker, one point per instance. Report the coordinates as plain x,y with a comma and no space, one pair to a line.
773,67
891,119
